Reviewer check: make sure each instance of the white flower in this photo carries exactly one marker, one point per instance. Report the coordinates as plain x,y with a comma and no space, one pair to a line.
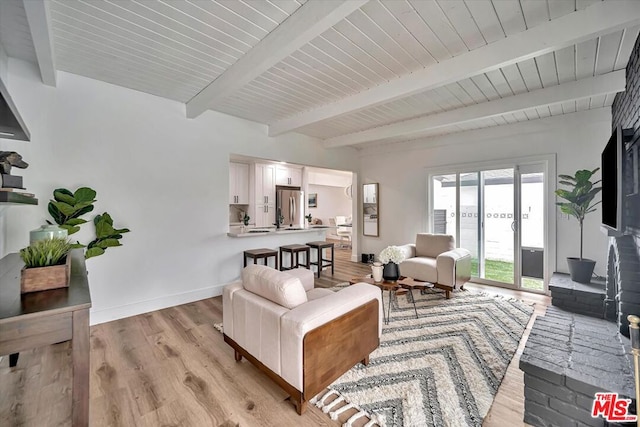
391,254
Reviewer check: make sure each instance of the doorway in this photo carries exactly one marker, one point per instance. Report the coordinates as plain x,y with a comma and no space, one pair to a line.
499,214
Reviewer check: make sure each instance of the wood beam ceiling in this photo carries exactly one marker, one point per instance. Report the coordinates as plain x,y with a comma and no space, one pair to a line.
39,19
594,21
600,85
309,21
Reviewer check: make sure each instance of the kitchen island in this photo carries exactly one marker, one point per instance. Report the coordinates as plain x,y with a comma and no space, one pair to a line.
237,231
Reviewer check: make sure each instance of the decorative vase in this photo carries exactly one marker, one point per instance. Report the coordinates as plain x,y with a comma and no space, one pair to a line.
391,271
376,272
47,232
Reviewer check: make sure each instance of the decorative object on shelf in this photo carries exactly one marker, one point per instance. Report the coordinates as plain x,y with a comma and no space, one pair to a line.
391,256
245,219
9,159
66,209
47,232
46,265
376,271
579,202
309,218
313,200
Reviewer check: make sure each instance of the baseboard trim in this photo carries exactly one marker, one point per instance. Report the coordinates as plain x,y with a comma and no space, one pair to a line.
133,309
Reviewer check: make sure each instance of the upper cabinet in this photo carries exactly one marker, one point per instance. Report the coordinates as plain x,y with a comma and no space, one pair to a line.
265,187
238,184
288,176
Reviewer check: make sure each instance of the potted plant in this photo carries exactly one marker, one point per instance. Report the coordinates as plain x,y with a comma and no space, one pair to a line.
579,202
309,218
46,265
391,256
66,208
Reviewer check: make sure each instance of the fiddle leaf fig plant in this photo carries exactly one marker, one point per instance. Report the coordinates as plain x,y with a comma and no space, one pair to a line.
579,197
66,208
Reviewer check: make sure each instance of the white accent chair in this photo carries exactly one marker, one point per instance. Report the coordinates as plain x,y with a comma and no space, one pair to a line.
302,337
434,258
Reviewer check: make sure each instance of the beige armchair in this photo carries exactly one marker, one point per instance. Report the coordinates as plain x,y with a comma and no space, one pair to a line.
434,258
302,337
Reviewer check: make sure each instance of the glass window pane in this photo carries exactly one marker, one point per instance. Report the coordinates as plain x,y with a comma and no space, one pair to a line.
444,204
498,223
469,219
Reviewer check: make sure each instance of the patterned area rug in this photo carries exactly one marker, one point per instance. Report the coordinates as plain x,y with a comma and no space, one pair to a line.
442,369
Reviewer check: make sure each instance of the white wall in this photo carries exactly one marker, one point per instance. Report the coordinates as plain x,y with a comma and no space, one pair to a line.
163,176
576,139
331,202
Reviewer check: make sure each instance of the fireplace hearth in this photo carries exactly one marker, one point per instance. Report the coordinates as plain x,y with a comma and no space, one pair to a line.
623,281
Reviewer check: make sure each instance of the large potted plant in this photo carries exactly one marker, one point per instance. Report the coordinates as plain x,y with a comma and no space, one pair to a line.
579,202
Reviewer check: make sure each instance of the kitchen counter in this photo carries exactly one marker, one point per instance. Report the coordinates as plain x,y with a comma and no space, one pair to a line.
253,232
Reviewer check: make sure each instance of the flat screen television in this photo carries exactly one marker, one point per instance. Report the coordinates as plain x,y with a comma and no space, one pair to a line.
612,173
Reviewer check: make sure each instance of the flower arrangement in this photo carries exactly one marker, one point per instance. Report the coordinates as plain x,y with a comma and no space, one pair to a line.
391,254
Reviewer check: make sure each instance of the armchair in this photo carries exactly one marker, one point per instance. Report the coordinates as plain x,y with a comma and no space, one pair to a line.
434,258
302,338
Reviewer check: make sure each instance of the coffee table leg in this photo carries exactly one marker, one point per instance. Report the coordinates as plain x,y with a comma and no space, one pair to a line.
413,299
391,294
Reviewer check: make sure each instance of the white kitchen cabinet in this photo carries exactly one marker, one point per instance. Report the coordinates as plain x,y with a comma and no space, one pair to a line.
291,177
265,187
265,195
238,184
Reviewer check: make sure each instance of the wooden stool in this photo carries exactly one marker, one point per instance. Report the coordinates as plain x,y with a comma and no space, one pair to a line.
319,246
294,250
263,253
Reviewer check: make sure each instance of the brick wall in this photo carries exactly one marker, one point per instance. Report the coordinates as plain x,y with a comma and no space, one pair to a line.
626,113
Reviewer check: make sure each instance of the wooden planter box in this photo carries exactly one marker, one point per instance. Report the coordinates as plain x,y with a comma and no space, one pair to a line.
44,278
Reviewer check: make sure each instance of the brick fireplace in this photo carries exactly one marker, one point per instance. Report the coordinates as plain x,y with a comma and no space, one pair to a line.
580,346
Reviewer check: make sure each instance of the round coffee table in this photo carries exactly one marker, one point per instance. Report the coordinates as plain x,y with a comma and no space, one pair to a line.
394,287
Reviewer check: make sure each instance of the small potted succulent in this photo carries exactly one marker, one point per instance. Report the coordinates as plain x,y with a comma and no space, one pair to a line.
309,218
47,265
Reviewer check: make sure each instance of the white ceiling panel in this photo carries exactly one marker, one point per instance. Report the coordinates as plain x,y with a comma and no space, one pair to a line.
177,48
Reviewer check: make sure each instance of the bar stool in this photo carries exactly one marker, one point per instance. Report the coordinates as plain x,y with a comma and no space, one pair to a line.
263,253
319,246
294,250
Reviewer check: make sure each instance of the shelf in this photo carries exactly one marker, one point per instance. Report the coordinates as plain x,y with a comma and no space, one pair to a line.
11,198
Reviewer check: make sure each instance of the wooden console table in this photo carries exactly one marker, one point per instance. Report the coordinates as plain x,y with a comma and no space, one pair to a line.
42,318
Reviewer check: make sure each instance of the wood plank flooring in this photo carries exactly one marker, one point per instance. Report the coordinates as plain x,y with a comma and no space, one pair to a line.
171,368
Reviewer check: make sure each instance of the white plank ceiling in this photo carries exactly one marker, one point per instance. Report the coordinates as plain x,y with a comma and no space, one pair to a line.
176,48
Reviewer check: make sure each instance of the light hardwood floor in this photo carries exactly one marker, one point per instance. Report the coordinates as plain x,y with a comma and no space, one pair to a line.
171,368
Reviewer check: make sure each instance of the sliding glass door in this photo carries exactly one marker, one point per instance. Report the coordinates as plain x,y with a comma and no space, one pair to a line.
498,215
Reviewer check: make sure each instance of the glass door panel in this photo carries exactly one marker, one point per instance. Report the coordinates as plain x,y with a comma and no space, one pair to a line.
532,230
444,204
470,218
499,225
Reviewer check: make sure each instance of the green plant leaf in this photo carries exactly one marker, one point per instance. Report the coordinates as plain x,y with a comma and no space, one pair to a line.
83,211
55,213
569,177
122,230
71,229
77,245
108,243
567,183
64,208
61,196
62,191
75,221
85,194
93,252
104,229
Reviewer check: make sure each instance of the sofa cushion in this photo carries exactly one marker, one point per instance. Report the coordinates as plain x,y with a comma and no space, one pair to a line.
276,286
432,245
420,268
317,293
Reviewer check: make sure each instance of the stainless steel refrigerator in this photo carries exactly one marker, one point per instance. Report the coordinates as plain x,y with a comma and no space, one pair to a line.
290,204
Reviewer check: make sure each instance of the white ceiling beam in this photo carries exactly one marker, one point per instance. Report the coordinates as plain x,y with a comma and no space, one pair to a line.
596,20
39,19
309,21
604,84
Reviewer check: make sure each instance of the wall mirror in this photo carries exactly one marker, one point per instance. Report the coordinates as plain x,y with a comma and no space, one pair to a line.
370,209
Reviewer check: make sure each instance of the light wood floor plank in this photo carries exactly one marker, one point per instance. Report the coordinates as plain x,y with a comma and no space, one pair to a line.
171,367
